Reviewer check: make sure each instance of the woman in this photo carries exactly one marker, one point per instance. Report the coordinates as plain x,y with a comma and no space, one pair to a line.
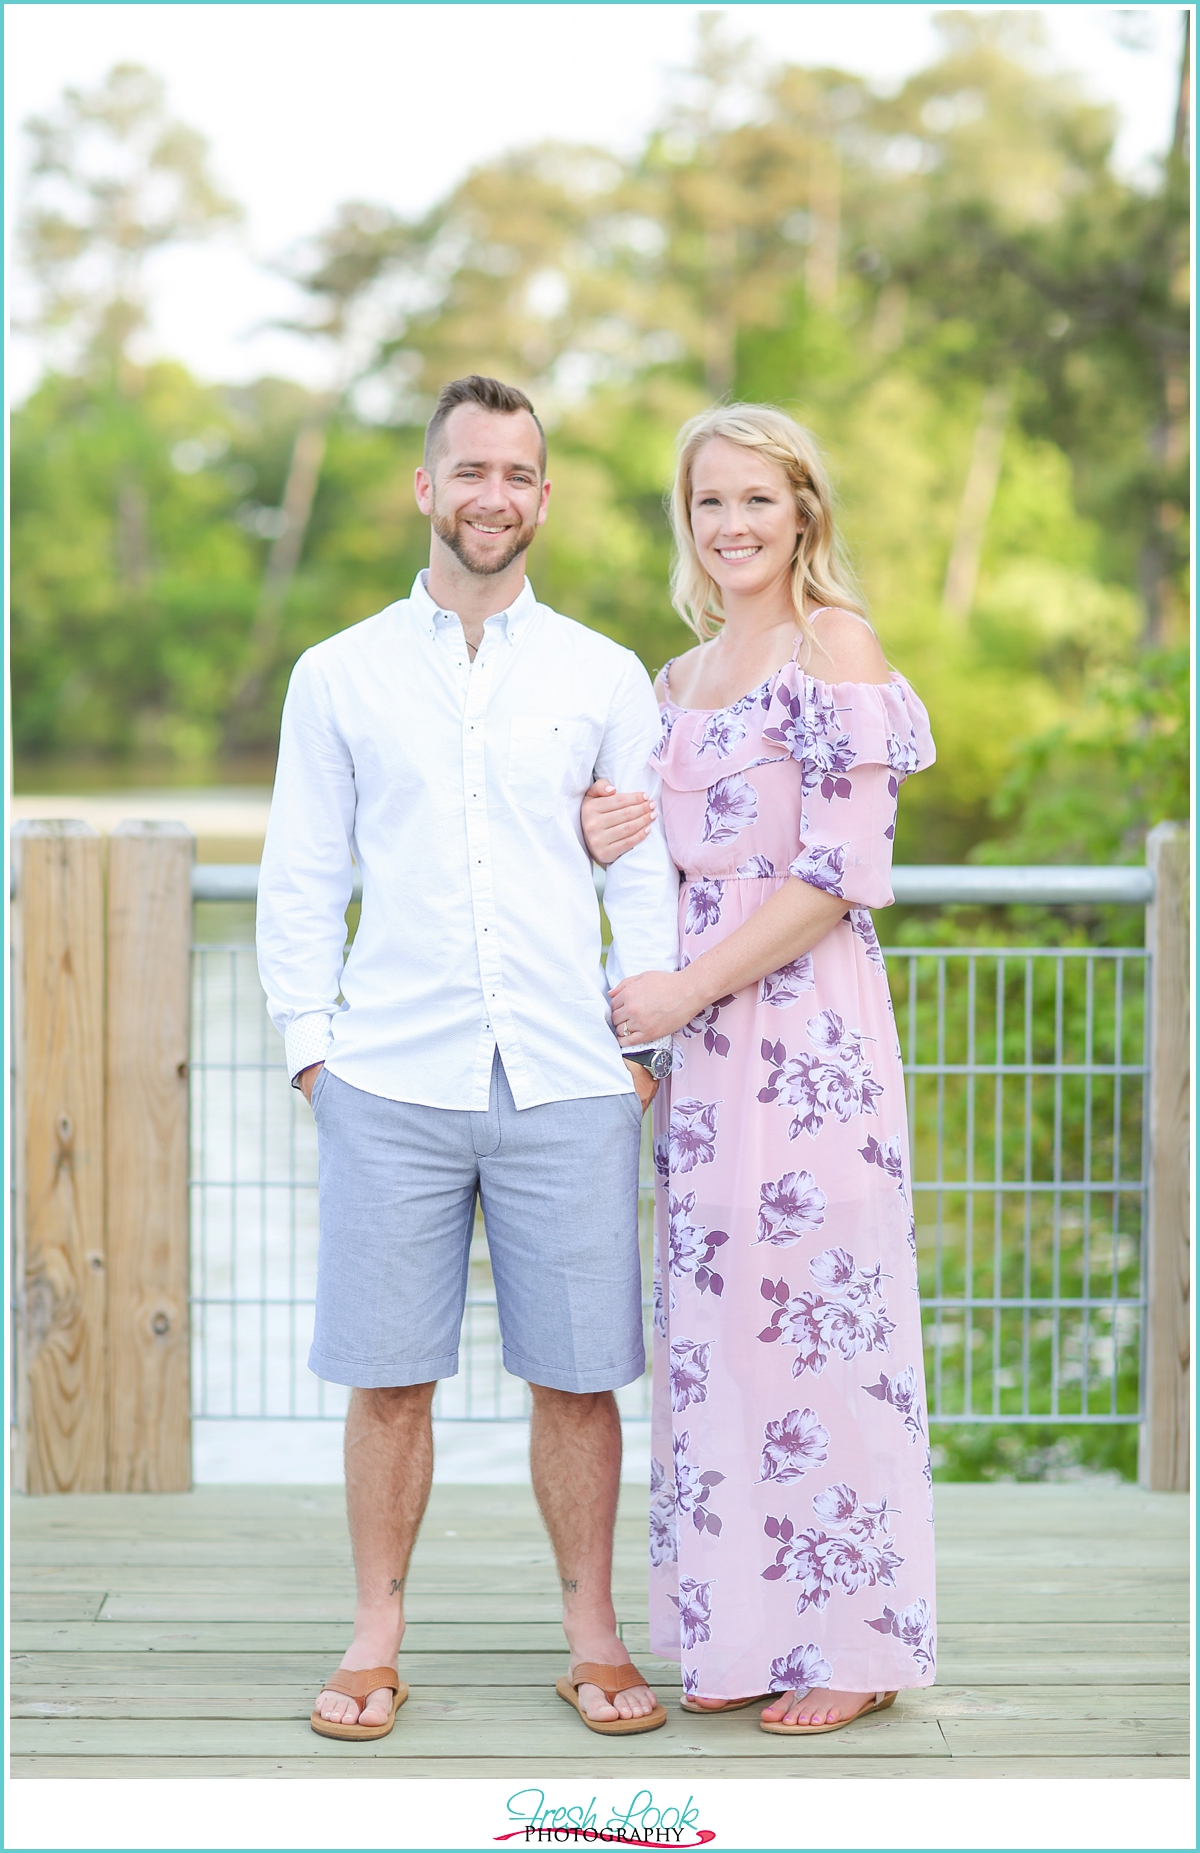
791,1537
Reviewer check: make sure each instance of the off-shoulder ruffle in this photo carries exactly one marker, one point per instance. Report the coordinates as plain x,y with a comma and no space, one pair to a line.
828,726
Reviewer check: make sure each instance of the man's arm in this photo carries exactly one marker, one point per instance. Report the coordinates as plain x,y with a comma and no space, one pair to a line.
307,873
641,890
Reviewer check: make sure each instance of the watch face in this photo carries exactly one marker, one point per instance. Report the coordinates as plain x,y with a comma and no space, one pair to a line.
660,1064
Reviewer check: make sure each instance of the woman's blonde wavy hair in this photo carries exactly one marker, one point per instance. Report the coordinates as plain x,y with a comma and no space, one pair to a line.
820,574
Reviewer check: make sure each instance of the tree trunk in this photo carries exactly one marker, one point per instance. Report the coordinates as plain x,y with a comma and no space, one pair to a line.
979,493
304,473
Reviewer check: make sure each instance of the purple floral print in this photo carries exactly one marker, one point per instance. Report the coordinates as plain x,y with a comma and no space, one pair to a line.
694,1603
850,1549
863,927
836,1080
704,905
693,1138
827,1399
689,1372
693,1246
664,1534
792,1445
722,732
692,1488
833,759
803,1670
887,1154
706,1025
784,987
902,755
900,1393
732,805
838,1321
913,1626
822,865
790,1207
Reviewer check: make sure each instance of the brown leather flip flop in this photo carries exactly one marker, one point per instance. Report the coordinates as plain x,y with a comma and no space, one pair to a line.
611,1680
880,1702
359,1685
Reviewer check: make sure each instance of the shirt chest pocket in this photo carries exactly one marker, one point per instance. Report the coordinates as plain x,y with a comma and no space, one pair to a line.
547,760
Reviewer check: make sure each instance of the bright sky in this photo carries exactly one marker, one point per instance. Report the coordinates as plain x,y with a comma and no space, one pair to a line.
307,105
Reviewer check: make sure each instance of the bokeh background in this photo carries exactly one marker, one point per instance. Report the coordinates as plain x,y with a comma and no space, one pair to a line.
251,242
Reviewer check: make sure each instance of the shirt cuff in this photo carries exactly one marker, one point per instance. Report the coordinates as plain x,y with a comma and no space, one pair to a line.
639,1048
305,1041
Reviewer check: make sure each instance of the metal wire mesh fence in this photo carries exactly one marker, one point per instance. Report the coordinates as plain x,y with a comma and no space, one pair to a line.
1026,1073
1026,1076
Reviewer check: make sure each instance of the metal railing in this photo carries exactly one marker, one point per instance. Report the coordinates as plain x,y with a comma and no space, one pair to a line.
1026,1073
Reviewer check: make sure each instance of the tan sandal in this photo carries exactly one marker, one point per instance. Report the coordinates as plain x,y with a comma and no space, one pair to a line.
714,1711
359,1685
611,1680
880,1702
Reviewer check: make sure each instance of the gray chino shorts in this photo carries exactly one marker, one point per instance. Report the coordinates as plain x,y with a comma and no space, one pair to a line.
558,1185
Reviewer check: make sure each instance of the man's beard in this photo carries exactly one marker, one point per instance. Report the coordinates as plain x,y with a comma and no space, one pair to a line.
456,535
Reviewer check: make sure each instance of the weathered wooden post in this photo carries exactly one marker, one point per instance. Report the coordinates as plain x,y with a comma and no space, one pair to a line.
149,1329
60,1274
1164,1442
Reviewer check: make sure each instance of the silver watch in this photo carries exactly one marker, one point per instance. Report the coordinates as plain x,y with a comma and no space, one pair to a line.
658,1061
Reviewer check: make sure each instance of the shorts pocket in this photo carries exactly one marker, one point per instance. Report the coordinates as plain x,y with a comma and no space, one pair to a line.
318,1088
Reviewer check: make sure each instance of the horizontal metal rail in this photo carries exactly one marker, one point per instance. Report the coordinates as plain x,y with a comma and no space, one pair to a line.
914,885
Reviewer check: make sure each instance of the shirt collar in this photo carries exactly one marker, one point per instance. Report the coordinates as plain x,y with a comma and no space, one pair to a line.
511,621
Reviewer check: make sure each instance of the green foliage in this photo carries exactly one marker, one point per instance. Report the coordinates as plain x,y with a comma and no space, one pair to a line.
877,265
985,327
1029,1451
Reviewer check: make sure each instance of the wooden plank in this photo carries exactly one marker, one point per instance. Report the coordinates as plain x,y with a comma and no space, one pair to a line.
567,1769
1152,1737
1165,1434
557,1733
284,1607
59,1056
268,1637
131,1672
277,1600
1141,1708
149,991
58,1605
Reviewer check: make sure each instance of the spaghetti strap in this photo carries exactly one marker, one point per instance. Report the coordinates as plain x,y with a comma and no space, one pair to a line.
665,673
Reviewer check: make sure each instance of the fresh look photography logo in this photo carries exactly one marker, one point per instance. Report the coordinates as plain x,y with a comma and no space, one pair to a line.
643,1822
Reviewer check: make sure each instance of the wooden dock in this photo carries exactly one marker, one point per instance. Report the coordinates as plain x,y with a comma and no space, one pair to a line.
185,1634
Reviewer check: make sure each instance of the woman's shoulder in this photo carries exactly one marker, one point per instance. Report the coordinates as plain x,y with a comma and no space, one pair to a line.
675,674
844,648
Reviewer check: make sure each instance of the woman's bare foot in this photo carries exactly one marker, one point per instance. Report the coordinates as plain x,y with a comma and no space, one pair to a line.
816,1707
380,1648
696,1703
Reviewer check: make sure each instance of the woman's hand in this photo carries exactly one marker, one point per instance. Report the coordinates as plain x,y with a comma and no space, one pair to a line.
650,1005
614,821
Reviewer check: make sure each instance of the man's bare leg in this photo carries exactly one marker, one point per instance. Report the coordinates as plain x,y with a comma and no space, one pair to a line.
389,1470
575,1457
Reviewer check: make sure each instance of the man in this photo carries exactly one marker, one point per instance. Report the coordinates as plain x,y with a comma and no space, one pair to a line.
445,745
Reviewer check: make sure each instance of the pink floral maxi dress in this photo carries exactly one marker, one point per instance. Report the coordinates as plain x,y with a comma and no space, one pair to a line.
791,1523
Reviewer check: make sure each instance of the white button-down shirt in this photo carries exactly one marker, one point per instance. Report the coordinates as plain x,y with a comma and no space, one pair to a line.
456,787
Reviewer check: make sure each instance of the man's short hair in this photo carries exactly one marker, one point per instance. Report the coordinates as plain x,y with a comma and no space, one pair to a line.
492,396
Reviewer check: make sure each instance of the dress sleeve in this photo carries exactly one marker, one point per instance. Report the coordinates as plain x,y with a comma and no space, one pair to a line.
846,846
856,742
